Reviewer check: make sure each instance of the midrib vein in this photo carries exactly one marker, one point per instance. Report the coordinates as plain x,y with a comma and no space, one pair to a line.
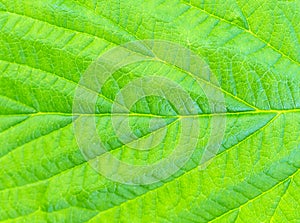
132,114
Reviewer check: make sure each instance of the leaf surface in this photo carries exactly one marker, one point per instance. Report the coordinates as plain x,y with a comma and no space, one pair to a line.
252,47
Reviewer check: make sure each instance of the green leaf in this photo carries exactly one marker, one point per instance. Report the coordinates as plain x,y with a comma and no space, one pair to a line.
251,48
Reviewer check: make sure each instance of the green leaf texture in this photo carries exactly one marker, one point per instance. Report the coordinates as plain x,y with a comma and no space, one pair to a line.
251,46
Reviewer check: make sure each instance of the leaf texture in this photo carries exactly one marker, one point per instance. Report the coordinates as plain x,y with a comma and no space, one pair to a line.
253,49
